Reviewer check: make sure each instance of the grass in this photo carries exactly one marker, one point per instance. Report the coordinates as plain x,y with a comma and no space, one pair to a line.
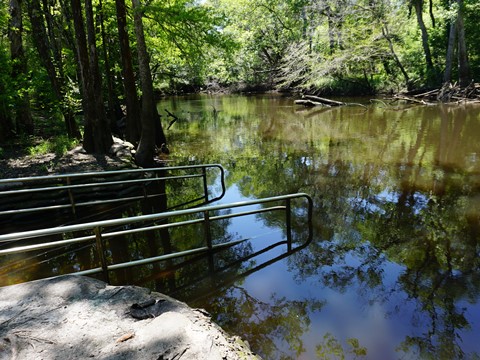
58,145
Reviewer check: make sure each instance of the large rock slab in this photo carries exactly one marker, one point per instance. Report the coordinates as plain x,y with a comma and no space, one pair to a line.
74,317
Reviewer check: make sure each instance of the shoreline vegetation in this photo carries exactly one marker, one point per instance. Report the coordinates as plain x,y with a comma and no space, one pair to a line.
44,154
448,93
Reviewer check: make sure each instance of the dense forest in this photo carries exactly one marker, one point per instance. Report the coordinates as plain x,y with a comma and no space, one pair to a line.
89,64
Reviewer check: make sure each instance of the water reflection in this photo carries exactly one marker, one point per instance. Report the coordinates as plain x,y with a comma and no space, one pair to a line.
392,268
392,271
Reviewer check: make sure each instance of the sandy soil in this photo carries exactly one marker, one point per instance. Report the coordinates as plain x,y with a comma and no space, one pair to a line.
74,317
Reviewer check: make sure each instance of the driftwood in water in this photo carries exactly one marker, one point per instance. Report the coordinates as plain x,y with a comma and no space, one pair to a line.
311,100
447,93
325,101
309,103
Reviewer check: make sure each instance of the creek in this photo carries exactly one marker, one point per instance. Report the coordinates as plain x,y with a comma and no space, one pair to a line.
393,268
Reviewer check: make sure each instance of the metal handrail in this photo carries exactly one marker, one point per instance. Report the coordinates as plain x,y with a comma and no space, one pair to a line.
60,182
99,234
110,172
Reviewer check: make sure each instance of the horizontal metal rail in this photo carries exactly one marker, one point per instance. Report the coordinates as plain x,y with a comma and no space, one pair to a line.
150,217
87,203
110,172
63,182
99,229
98,184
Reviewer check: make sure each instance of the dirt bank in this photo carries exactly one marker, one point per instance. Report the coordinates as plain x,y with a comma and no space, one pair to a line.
15,163
74,317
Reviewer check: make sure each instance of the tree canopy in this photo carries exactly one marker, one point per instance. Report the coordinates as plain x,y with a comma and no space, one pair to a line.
95,67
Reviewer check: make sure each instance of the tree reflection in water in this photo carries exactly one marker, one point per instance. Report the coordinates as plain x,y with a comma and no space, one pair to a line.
392,270
396,224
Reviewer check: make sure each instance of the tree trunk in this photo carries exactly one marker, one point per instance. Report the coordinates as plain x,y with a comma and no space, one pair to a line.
111,98
464,78
53,38
418,4
331,30
84,71
395,57
44,48
41,40
132,102
6,127
96,137
150,119
23,115
102,136
452,34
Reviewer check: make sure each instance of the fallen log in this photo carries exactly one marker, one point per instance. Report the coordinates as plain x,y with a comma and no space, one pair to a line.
324,101
311,100
412,99
310,103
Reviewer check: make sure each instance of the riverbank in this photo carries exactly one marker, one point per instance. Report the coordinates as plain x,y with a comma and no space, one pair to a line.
16,163
77,317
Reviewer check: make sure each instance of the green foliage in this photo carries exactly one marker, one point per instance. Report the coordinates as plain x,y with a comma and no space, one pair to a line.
472,19
6,84
184,37
337,47
330,46
58,145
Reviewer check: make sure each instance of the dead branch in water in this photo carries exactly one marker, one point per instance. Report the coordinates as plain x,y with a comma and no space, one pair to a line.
175,118
448,93
311,100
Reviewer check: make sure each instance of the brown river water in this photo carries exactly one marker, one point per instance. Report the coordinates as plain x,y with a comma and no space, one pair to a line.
392,268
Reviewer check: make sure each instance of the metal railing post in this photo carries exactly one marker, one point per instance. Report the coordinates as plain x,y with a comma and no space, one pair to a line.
70,195
205,185
208,238
288,220
101,253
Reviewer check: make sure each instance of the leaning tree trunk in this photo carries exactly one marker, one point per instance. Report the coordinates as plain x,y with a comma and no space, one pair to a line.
386,35
23,115
150,119
418,4
131,98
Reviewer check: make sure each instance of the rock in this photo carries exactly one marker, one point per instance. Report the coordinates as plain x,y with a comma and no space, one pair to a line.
77,317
